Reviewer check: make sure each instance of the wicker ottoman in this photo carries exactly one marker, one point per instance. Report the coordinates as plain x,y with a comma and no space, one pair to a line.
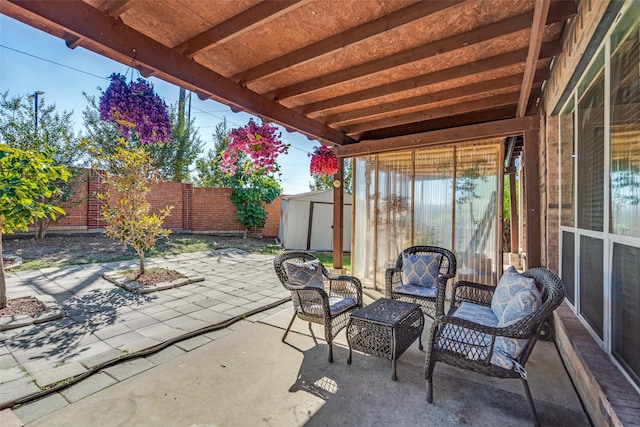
385,329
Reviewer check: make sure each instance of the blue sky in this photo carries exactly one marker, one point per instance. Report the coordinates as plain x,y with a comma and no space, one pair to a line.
32,60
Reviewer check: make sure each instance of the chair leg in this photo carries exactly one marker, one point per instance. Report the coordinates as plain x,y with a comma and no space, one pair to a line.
532,408
330,343
430,390
289,327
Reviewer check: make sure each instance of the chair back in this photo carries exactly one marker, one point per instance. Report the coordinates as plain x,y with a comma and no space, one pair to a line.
292,256
447,266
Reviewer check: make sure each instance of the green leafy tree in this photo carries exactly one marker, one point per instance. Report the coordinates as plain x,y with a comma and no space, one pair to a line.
175,159
53,136
126,211
27,180
209,168
325,182
172,160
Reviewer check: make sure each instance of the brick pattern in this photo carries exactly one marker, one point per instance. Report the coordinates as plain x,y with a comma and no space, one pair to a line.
93,204
205,210
551,246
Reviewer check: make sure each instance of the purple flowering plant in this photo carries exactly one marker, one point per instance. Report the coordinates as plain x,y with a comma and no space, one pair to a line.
135,107
260,142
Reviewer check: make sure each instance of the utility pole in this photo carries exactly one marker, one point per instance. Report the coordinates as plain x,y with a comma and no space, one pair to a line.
35,107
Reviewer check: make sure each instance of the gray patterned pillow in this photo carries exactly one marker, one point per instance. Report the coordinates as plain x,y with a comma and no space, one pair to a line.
421,270
523,304
509,285
304,273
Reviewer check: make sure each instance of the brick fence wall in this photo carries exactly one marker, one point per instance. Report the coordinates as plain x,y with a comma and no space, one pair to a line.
195,209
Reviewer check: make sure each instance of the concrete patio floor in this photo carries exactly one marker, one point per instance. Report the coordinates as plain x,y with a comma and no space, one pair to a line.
244,375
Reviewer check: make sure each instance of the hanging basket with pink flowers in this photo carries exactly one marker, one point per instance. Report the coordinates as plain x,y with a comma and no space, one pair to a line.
135,107
261,143
323,161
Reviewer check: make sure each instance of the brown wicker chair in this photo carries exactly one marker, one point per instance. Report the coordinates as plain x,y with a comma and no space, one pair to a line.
432,306
330,306
470,345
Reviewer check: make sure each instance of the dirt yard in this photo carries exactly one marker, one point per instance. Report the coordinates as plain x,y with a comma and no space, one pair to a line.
64,249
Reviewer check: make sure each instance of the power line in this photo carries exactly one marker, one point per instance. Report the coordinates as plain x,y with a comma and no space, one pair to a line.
53,62
209,113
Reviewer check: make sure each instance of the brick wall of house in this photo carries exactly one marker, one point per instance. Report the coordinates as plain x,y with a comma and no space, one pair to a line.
552,193
204,210
542,191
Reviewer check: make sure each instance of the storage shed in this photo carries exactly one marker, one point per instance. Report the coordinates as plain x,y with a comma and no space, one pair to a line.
306,221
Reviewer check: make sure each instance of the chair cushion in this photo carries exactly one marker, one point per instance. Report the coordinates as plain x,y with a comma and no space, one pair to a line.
421,270
509,285
304,273
523,304
469,343
416,291
476,313
337,305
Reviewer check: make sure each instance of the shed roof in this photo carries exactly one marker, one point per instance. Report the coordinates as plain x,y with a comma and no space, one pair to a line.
365,75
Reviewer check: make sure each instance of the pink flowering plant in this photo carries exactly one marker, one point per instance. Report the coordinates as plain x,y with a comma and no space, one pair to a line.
323,161
261,143
135,107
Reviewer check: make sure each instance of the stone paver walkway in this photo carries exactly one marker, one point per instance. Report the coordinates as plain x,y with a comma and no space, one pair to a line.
106,323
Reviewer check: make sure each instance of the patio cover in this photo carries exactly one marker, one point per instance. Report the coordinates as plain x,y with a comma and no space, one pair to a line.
368,76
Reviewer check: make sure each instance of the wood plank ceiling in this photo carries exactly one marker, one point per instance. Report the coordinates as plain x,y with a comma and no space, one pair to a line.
343,72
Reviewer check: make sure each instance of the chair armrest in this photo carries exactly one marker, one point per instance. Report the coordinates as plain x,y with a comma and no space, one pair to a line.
392,278
346,287
477,293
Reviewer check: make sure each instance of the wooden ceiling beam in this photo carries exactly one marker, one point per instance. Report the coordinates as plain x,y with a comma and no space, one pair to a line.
537,32
339,41
115,8
463,40
474,117
549,49
110,37
497,129
486,103
245,21
439,47
479,88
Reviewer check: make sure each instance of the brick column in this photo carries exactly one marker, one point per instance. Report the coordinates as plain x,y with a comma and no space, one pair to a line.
93,204
187,207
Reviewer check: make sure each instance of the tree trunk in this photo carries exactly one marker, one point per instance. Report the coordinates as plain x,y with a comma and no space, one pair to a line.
41,225
3,283
141,265
246,233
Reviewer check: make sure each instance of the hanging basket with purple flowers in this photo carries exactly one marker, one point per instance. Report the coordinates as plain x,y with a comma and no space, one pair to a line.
135,107
323,161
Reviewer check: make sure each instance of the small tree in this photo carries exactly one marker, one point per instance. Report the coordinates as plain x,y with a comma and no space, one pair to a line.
250,195
126,211
27,179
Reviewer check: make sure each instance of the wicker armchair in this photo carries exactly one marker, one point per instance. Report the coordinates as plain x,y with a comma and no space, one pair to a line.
431,300
329,305
470,344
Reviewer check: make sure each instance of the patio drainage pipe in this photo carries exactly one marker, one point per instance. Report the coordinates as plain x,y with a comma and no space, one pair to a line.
141,353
